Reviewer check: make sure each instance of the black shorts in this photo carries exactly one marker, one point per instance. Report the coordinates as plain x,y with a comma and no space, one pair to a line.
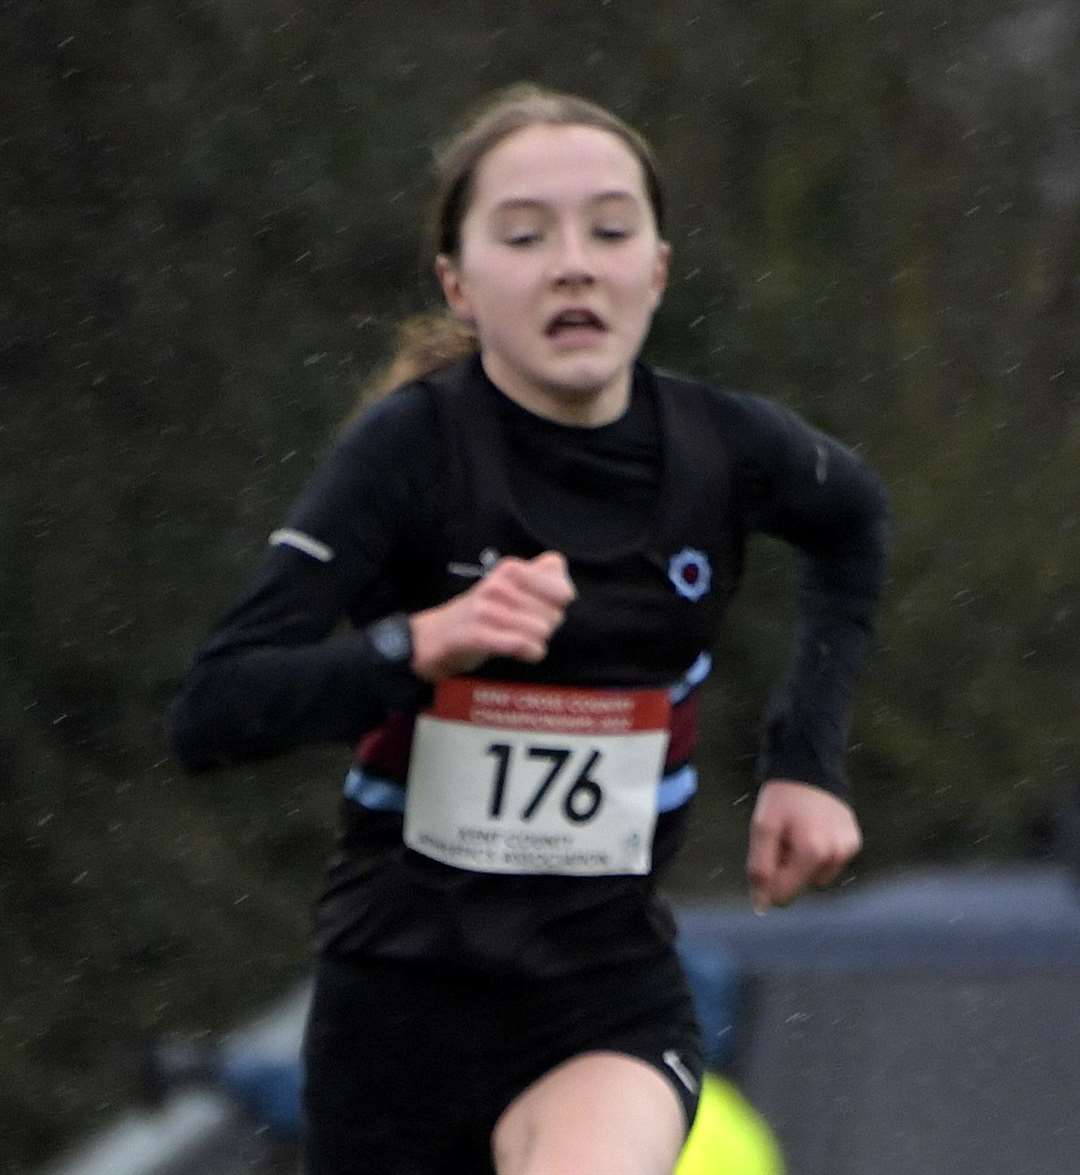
407,1069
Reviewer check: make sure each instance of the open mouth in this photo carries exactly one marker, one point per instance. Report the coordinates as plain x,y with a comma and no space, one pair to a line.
577,323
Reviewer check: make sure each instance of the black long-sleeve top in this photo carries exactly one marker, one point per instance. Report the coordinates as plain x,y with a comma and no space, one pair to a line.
301,658
278,671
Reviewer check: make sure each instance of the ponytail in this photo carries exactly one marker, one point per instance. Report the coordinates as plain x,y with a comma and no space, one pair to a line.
423,343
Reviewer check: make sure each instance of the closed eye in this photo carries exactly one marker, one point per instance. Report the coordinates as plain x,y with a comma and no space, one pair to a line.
611,234
521,240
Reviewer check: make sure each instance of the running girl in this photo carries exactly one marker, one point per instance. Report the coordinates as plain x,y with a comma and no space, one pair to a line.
534,545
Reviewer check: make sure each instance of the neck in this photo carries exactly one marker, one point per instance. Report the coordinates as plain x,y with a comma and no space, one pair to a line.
584,408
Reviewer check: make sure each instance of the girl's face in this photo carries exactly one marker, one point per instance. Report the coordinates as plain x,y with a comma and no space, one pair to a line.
560,269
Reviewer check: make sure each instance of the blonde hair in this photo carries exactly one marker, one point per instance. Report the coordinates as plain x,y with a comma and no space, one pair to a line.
426,342
423,343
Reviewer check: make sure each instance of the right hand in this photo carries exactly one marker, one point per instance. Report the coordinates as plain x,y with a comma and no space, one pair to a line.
511,612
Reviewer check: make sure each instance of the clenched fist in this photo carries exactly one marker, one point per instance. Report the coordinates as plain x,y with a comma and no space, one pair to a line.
800,835
511,612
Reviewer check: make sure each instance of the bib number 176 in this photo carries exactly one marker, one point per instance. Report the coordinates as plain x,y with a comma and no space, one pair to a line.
580,802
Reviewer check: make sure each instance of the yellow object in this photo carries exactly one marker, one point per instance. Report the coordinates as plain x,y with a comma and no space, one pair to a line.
729,1137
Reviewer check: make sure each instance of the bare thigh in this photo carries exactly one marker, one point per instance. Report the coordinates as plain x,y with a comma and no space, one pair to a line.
601,1112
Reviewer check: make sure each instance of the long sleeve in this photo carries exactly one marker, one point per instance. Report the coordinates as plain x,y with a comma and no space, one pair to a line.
814,493
279,670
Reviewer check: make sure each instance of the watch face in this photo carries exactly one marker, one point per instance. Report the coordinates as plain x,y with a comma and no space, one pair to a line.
391,639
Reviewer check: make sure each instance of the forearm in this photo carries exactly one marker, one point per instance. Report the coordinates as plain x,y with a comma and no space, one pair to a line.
280,670
808,720
260,701
806,727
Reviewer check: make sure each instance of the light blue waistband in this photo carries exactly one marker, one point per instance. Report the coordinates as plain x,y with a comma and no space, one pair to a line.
384,795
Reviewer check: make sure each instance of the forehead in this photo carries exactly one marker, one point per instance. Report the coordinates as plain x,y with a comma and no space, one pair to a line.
556,165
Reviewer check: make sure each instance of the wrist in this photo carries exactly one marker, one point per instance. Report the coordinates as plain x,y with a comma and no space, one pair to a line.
424,657
390,654
392,639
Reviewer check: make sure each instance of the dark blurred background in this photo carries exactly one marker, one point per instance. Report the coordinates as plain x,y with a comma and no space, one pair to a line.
211,219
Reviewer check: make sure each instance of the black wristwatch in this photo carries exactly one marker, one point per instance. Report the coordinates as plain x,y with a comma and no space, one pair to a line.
390,653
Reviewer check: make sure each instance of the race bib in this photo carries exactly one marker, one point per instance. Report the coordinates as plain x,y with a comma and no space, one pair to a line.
508,778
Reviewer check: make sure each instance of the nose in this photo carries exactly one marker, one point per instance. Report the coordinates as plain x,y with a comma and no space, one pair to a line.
572,264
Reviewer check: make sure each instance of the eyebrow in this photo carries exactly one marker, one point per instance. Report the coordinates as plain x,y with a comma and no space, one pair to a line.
531,202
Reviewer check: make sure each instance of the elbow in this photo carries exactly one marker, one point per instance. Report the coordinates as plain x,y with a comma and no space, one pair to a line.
186,738
882,521
196,726
870,539
220,718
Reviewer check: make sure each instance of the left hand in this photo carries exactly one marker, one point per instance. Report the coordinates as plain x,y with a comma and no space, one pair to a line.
800,835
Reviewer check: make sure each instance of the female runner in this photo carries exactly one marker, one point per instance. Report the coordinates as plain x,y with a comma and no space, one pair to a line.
534,545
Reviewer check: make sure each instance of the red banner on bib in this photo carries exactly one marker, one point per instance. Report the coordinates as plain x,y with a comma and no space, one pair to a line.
559,709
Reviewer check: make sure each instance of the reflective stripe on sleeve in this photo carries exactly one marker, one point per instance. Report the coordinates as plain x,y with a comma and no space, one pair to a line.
287,537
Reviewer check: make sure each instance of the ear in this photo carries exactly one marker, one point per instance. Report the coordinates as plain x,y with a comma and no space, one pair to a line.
661,268
453,287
